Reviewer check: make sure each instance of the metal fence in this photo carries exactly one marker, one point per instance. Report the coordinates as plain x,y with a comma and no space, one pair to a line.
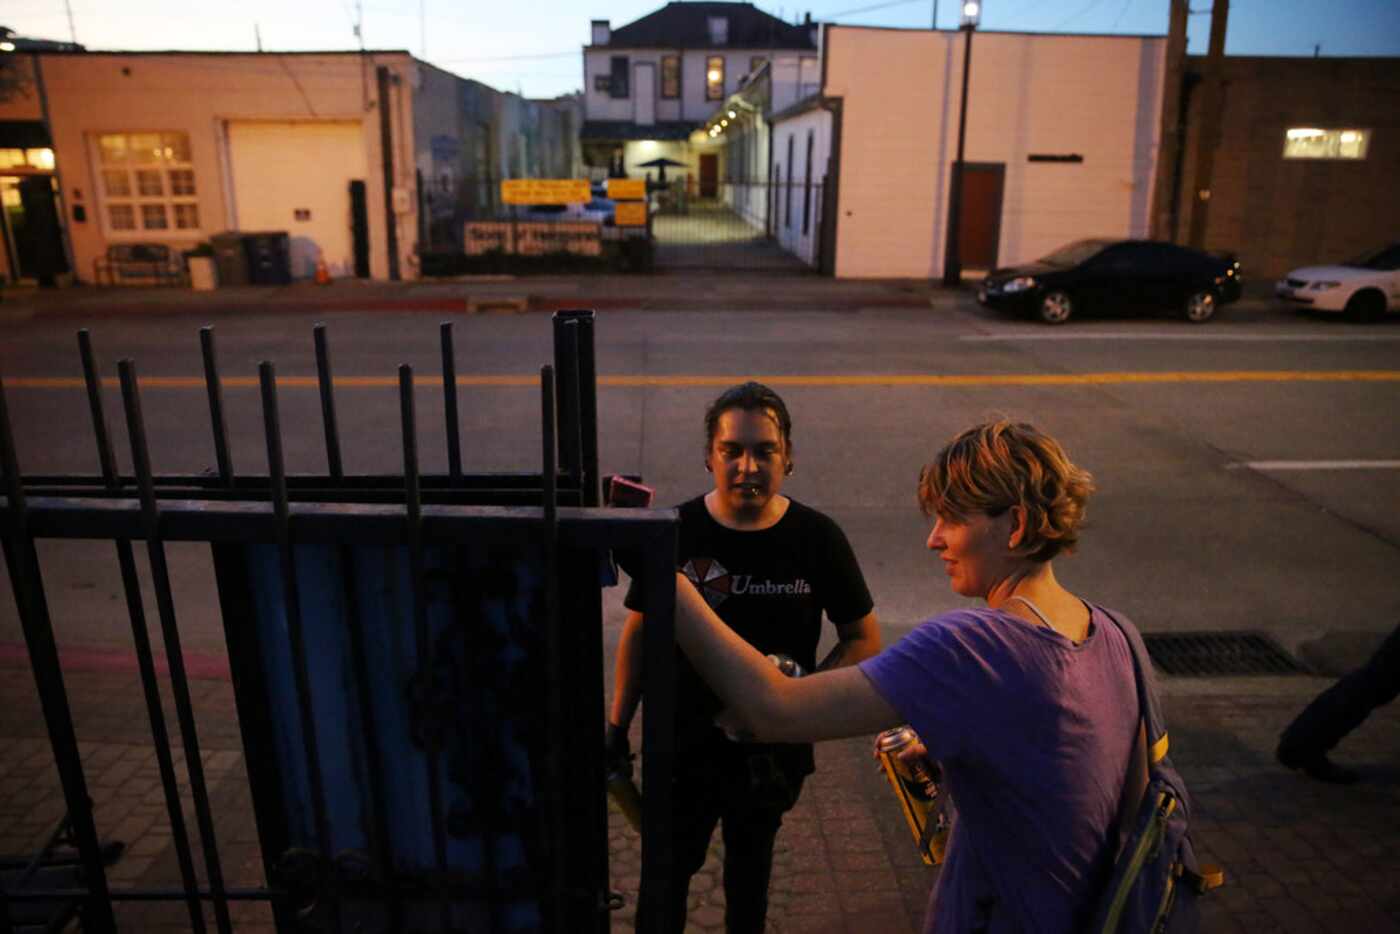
420,723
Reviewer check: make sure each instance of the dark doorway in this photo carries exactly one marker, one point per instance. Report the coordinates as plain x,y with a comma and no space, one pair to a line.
980,227
359,228
709,175
34,237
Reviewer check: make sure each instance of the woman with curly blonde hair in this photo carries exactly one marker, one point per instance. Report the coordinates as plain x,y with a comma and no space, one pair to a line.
1028,704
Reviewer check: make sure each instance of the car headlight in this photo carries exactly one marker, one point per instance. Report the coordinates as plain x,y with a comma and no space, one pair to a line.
1323,286
1019,284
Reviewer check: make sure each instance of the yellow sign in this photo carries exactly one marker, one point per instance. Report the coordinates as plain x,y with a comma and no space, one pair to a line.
546,191
627,189
533,238
630,214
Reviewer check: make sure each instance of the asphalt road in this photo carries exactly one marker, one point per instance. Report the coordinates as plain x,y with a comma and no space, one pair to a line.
1248,470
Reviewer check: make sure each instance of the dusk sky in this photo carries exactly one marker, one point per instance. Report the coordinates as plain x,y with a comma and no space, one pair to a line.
533,46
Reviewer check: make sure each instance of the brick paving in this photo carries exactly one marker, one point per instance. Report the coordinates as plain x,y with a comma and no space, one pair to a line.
1300,856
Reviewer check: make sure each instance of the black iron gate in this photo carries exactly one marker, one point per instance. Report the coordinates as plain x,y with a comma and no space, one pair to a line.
417,667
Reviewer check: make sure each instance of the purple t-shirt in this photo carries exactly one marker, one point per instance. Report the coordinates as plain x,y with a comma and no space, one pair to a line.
1034,735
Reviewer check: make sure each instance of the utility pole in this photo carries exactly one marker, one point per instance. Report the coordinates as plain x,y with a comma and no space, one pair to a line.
952,257
72,31
1212,102
1173,127
257,34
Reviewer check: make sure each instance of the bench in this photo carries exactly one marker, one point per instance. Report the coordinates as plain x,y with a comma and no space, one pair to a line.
139,264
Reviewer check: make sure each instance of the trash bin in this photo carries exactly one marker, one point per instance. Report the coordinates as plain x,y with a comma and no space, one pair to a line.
269,257
230,258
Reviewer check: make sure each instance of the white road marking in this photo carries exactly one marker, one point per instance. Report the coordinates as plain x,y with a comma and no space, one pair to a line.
1255,338
1315,465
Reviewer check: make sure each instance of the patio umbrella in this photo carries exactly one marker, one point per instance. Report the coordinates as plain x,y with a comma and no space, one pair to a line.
660,165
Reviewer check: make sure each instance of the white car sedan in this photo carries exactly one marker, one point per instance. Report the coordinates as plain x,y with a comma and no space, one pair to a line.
1364,288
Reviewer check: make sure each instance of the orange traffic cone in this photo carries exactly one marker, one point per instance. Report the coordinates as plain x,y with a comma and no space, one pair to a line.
323,274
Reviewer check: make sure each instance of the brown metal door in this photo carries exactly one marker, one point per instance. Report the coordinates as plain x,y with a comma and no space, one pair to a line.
709,175
980,227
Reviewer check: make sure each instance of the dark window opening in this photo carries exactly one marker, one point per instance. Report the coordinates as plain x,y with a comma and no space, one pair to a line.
807,186
619,77
787,204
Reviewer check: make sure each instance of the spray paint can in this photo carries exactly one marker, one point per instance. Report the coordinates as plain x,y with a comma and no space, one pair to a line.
625,795
918,793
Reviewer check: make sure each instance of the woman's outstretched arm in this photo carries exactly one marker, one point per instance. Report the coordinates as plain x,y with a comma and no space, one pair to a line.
768,705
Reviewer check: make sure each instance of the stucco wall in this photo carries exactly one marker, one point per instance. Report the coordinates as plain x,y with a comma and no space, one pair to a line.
815,123
94,93
1096,96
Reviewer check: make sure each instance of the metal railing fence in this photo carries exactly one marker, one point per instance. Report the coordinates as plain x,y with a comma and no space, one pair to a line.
436,762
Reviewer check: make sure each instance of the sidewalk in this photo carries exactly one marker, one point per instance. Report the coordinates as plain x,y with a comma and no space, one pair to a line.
688,291
1299,855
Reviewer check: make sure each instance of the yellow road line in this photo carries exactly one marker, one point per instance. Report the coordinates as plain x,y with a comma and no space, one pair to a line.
827,379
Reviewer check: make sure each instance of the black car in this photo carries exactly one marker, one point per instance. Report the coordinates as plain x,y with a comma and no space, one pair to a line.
1138,275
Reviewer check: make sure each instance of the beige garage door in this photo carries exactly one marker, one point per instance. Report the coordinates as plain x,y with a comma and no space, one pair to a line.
295,176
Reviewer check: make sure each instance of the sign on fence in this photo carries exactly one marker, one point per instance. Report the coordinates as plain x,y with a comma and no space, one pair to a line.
627,189
546,191
630,214
533,238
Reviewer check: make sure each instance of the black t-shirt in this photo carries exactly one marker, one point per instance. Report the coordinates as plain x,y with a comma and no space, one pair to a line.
770,586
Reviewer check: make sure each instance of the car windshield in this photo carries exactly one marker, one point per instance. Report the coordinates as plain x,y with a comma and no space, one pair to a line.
1075,253
1384,258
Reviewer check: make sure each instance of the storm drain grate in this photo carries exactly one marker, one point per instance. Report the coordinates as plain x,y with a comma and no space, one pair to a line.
1196,654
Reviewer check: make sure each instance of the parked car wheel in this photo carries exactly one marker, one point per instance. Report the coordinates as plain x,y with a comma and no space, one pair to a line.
1055,307
1366,305
1201,307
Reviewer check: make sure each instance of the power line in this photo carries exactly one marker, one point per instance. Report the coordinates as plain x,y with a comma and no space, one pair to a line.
517,58
870,9
1075,16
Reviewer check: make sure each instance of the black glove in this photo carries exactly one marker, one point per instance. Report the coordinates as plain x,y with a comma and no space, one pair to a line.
617,751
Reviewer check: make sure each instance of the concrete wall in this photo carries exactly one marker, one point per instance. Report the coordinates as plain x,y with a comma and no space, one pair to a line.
1279,213
1096,96
94,93
787,227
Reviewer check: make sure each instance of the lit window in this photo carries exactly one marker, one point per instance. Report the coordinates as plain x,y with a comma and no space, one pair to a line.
153,217
670,76
714,78
122,216
186,216
148,181
117,184
10,158
1316,143
181,182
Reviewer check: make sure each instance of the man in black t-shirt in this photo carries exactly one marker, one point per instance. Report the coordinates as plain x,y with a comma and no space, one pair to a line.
770,567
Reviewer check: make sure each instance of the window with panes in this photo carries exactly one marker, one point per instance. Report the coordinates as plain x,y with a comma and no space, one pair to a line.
148,182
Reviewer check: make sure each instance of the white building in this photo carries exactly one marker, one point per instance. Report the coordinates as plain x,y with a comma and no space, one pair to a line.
1063,137
650,86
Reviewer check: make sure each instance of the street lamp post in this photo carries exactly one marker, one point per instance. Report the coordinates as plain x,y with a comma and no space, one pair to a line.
952,259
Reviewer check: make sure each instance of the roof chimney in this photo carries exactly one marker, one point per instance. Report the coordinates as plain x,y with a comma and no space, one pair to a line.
602,32
807,19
